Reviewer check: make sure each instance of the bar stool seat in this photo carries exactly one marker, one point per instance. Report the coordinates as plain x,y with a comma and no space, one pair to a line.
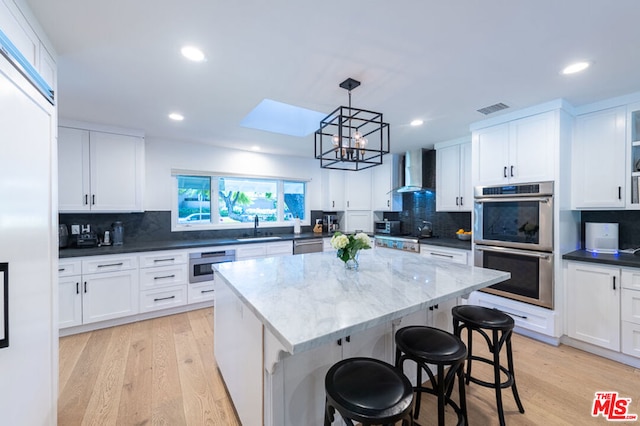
368,391
500,325
431,346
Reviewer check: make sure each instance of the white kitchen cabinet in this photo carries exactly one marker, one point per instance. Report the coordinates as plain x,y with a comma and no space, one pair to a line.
163,280
356,220
260,250
357,190
454,191
282,248
444,253
519,151
69,295
593,304
19,32
440,315
633,159
110,289
385,179
630,312
326,245
333,190
99,172
599,171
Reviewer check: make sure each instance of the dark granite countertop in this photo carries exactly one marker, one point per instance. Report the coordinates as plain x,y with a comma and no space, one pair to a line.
620,259
179,245
447,242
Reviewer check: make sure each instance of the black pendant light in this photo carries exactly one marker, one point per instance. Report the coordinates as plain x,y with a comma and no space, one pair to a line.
351,138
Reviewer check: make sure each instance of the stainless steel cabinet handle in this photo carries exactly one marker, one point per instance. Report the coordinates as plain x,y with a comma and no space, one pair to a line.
164,298
165,276
515,251
169,259
510,200
110,264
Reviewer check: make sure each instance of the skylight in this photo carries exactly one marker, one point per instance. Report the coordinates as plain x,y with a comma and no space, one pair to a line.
278,117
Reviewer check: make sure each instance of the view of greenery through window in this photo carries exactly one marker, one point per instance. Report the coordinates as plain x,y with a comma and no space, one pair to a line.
239,200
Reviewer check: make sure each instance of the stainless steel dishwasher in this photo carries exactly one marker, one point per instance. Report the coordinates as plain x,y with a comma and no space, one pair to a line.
307,246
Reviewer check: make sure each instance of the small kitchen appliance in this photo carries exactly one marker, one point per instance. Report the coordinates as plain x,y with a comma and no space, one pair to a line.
118,233
387,227
601,237
63,236
330,222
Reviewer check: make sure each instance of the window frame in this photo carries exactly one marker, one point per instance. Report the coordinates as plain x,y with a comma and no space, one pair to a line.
215,203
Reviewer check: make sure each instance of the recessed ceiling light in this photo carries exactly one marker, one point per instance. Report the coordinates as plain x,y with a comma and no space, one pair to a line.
175,116
192,53
255,148
417,122
574,68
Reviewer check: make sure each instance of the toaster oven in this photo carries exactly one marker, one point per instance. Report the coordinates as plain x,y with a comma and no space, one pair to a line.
388,227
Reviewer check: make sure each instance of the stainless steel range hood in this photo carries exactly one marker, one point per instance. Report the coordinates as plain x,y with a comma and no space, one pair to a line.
419,171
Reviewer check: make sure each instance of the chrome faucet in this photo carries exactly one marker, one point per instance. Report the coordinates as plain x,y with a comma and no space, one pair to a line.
256,223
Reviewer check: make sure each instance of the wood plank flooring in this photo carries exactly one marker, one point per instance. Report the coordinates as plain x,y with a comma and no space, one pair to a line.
163,372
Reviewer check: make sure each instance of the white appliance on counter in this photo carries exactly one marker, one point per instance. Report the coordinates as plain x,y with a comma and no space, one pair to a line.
601,237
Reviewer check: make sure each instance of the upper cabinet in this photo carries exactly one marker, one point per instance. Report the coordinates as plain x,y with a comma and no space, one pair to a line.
357,190
519,151
99,172
332,190
454,191
633,121
386,178
598,151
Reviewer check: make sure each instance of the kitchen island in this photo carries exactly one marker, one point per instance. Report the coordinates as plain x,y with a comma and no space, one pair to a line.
281,322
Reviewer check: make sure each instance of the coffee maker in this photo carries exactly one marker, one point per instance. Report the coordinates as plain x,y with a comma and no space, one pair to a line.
330,223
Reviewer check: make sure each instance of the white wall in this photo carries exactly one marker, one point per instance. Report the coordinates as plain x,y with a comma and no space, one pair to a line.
162,155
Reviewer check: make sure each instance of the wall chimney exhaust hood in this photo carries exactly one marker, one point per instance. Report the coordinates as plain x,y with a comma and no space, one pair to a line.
419,170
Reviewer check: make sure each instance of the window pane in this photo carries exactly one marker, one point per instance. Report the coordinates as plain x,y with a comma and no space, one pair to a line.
240,199
194,199
294,193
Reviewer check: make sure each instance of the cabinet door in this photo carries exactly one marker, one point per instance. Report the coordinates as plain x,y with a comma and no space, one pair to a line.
491,155
359,221
69,301
384,180
593,304
448,178
333,190
73,170
116,172
466,185
358,190
375,342
109,295
599,159
441,315
531,154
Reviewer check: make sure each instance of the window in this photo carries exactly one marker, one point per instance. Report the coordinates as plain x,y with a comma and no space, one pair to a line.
239,200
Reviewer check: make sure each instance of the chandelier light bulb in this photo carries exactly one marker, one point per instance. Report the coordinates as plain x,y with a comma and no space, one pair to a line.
335,140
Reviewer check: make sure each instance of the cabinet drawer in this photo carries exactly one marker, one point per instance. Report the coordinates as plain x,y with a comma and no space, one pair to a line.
630,305
162,276
152,300
109,264
631,339
200,292
630,279
162,259
275,249
251,251
69,267
446,255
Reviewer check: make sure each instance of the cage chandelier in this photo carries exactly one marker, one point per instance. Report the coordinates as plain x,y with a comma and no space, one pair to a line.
351,138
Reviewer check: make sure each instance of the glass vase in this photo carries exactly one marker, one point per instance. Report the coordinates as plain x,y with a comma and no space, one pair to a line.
352,263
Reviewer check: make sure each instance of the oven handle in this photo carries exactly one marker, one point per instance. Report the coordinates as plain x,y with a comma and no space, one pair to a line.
544,256
512,199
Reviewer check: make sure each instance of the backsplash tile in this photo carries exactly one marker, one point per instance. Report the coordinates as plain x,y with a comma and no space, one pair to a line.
421,206
628,220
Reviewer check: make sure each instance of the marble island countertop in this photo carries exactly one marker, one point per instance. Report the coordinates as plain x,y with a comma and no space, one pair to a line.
311,299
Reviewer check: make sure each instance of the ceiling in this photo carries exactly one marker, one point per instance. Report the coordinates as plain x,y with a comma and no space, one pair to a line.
119,62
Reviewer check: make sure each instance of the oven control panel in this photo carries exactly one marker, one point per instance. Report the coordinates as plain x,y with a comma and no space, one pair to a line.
398,244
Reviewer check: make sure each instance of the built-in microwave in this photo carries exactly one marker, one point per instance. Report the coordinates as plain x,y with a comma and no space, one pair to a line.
389,227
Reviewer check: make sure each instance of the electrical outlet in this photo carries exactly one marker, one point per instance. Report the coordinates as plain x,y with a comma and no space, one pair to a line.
75,229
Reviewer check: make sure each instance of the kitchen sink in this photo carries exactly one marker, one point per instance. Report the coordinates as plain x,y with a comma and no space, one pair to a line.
258,238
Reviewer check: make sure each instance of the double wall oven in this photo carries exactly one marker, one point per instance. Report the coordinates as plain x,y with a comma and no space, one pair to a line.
513,232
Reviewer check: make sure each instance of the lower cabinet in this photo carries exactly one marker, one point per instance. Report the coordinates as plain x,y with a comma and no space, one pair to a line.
163,280
69,296
593,304
630,312
446,254
109,295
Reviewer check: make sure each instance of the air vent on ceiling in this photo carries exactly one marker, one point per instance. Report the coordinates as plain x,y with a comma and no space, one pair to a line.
493,108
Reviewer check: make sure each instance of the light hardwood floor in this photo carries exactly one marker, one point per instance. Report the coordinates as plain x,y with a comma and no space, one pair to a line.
163,372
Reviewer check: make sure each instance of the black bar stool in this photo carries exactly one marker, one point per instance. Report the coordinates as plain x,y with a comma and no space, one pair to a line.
368,391
428,345
480,318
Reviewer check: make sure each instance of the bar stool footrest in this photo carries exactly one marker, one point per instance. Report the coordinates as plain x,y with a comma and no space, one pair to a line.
506,384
